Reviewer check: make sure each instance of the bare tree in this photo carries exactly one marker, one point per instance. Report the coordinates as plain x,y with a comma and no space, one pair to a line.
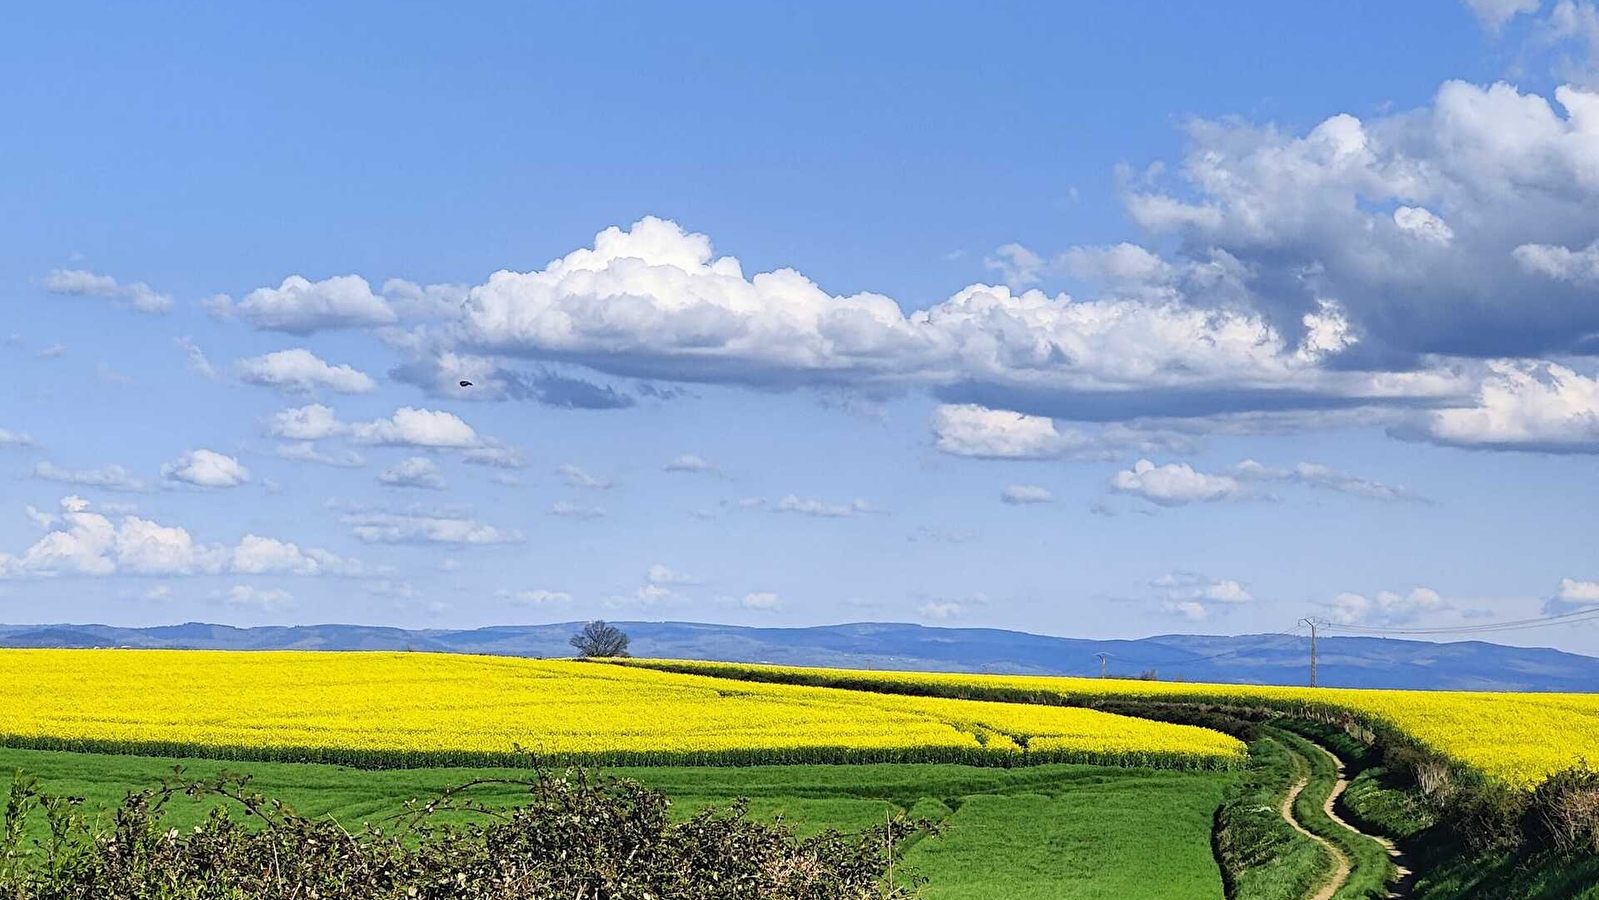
599,638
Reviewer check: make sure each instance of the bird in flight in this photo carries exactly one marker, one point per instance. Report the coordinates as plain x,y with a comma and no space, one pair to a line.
466,384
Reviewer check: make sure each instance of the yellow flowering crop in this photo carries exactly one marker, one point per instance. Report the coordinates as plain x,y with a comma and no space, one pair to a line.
1517,738
398,709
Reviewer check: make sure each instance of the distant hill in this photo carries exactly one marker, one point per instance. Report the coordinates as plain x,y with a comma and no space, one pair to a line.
1245,659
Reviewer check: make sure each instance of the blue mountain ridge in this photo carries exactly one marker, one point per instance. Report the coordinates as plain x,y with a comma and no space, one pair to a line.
1244,659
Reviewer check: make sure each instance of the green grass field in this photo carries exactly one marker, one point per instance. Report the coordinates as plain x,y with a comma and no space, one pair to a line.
1053,832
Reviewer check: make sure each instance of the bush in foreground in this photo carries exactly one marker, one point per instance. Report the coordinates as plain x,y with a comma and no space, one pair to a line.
574,837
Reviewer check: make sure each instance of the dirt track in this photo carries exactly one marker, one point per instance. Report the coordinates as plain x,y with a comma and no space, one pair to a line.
1340,873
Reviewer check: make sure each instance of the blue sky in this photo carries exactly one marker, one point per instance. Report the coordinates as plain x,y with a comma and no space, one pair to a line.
1105,320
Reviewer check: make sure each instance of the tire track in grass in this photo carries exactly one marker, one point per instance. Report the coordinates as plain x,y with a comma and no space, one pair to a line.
1400,887
1342,866
1340,860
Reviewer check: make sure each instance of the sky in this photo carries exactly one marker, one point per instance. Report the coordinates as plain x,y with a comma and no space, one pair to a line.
1100,320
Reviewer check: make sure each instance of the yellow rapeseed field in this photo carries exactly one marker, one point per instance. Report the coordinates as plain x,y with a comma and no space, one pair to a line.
1517,738
398,709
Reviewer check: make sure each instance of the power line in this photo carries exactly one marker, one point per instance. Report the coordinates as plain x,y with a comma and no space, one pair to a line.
1485,628
1282,638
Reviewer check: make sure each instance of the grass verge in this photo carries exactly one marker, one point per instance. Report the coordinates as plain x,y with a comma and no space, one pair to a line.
1261,856
1048,832
1370,868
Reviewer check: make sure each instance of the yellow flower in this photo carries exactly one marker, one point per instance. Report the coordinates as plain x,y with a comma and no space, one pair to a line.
405,709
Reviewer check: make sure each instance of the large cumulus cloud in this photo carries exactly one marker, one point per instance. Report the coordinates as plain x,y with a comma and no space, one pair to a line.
1464,227
654,301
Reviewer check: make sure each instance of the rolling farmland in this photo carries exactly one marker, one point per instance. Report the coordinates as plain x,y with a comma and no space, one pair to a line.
1032,791
1518,739
398,709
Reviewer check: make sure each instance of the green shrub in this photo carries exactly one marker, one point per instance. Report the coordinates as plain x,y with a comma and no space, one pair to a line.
1488,816
1565,810
574,837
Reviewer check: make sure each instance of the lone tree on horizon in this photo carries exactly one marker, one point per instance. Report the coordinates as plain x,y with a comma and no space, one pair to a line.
600,638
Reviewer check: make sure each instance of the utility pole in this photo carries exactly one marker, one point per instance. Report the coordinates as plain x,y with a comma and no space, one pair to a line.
1103,658
1313,624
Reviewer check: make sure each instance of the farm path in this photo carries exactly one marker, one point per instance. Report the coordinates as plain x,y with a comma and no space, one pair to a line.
1341,864
1400,886
1340,859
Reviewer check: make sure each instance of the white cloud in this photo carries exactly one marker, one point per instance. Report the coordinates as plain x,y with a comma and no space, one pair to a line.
971,430
653,301
576,477
54,351
42,519
1016,265
301,371
568,510
1387,608
806,506
206,468
408,426
1327,332
1188,609
763,601
1574,591
1023,494
1176,484
306,451
1573,596
1560,263
14,439
379,527
1495,13
1226,592
418,428
537,597
79,283
1525,406
258,555
939,609
417,301
264,599
111,478
398,590
150,548
645,595
967,429
1430,226
691,463
492,454
198,363
1126,270
1319,476
306,423
1191,594
659,574
300,306
414,472
1423,225
85,542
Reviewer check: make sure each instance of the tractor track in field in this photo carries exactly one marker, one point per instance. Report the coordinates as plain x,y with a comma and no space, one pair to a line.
1341,863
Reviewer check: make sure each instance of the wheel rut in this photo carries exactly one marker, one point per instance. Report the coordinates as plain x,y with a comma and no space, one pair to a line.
1399,888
